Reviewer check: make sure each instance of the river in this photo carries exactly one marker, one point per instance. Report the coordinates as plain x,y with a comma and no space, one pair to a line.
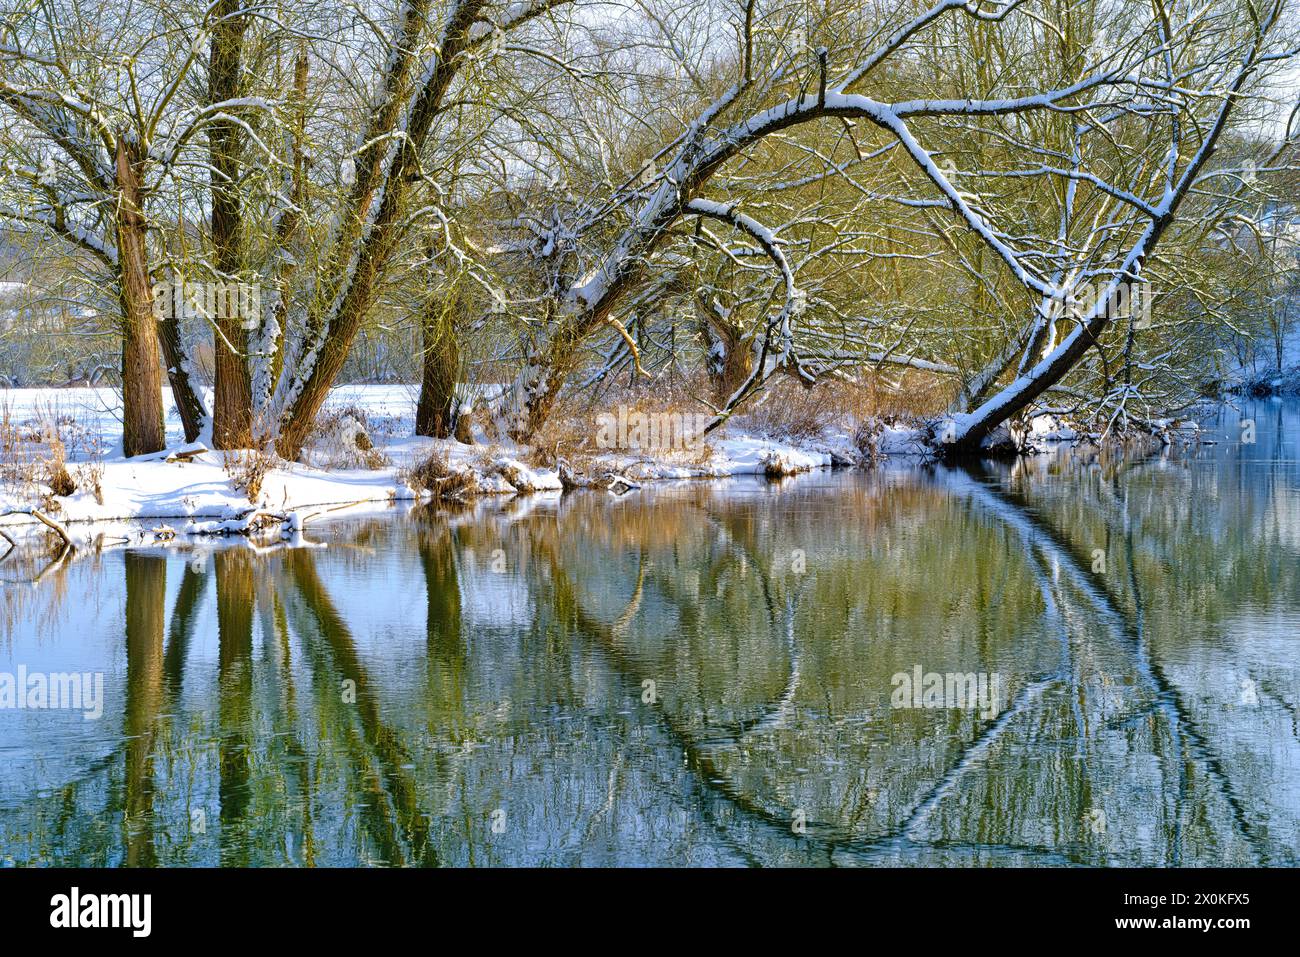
704,673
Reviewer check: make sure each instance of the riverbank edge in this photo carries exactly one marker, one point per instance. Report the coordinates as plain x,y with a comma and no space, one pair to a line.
190,490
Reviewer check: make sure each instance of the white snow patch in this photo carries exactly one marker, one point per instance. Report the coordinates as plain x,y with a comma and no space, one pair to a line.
197,488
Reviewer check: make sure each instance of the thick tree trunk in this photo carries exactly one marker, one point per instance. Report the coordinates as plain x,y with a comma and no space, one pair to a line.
978,387
729,358
439,325
142,411
1024,390
547,366
300,418
232,400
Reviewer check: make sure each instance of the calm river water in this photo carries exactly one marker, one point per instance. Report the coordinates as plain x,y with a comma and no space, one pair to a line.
710,673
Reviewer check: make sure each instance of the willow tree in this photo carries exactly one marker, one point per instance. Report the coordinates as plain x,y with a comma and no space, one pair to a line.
430,51
1136,117
92,131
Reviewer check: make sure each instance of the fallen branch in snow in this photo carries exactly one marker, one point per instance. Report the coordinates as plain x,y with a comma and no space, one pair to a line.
251,521
247,522
188,454
45,520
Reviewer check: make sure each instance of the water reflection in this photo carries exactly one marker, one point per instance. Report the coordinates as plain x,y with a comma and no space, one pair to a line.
694,675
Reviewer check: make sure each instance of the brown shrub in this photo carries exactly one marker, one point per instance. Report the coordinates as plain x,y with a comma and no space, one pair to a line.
342,439
247,470
91,476
436,475
791,411
57,477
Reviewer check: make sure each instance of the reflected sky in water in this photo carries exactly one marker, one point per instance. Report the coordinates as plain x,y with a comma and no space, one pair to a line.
700,674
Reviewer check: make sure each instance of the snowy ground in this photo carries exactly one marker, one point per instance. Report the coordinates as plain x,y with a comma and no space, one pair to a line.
198,495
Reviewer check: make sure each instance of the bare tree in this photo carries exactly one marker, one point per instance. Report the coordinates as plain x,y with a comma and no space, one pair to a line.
1142,111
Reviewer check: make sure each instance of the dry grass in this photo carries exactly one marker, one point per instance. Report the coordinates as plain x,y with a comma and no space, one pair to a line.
90,476
571,431
434,474
866,439
18,460
787,410
57,477
33,458
906,394
248,469
342,439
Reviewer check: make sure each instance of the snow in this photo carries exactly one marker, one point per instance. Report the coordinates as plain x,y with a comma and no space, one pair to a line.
188,489
1049,428
358,462
899,441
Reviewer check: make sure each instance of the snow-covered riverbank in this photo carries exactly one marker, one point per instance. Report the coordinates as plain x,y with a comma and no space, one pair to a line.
60,455
193,490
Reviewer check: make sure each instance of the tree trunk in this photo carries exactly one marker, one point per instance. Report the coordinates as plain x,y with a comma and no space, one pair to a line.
232,399
728,358
185,390
547,365
142,411
977,387
361,255
439,326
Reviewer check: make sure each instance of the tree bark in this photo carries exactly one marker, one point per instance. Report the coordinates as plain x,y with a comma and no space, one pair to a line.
440,330
185,390
232,400
142,411
728,358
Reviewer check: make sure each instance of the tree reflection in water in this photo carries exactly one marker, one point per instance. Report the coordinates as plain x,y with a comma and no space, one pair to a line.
698,674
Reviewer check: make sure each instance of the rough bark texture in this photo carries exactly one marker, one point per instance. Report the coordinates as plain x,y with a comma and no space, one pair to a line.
537,387
232,395
142,412
729,360
439,325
